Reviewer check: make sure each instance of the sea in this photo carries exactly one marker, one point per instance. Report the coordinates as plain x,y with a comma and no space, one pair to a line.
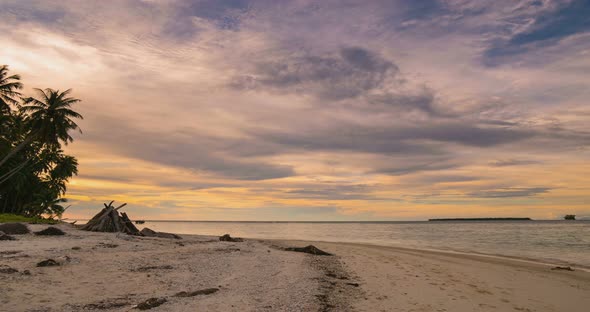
552,242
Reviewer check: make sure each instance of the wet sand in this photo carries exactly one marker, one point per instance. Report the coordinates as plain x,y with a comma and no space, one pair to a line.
115,272
399,279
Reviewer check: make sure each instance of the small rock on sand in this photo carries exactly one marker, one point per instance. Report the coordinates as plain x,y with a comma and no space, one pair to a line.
14,228
151,303
47,263
51,231
311,249
228,238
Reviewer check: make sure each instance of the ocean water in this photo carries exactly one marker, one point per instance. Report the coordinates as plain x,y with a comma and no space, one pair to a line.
558,242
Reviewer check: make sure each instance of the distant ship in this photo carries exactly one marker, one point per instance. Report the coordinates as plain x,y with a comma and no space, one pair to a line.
569,217
139,222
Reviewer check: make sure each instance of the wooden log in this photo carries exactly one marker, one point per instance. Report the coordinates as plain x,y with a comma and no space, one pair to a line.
129,225
94,220
109,220
118,226
103,223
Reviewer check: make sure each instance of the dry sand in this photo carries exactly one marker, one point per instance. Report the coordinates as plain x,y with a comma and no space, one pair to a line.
114,272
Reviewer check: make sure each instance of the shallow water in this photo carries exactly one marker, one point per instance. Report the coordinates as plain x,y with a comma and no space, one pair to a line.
563,242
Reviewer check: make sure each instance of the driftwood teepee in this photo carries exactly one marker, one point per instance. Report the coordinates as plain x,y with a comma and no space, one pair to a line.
109,220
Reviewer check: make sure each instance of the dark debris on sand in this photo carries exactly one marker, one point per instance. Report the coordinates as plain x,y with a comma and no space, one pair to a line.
564,268
51,231
311,249
228,238
14,228
206,291
151,303
7,270
48,263
107,304
151,233
155,267
5,237
337,290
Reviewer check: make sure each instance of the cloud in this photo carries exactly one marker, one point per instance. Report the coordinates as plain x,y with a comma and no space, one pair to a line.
546,29
408,139
198,152
204,105
181,24
444,178
24,11
512,162
510,192
334,192
347,74
405,168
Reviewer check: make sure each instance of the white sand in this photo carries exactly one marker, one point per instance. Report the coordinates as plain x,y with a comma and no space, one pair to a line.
397,279
258,276
251,276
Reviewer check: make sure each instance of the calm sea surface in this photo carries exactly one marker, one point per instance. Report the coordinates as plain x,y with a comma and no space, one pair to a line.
561,242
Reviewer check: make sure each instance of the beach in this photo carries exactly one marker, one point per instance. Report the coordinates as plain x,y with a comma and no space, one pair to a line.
118,272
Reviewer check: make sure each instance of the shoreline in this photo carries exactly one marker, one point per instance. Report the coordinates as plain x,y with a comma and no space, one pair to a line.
531,247
459,253
259,275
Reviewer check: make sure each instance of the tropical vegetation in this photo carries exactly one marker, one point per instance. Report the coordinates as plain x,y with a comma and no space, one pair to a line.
34,170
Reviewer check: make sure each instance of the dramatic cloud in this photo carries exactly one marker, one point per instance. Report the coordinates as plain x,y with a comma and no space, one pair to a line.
351,72
316,110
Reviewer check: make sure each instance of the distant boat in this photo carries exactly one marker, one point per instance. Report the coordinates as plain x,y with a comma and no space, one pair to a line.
139,222
569,217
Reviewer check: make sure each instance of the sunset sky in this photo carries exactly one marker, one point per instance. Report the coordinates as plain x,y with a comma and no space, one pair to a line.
317,110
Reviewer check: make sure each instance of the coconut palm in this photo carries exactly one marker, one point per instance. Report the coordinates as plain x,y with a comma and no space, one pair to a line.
65,167
8,89
50,119
34,170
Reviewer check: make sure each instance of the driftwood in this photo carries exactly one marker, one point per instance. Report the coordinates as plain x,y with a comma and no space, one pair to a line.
109,220
151,233
311,249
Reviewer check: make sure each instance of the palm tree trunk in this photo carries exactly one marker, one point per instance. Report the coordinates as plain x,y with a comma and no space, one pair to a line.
5,204
18,148
12,172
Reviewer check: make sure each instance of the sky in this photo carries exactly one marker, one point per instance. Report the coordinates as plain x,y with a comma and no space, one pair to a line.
317,110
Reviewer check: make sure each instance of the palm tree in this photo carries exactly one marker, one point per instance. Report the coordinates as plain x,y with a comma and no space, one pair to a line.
8,87
65,167
50,119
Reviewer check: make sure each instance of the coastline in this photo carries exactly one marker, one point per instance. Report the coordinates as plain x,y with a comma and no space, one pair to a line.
507,259
114,272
